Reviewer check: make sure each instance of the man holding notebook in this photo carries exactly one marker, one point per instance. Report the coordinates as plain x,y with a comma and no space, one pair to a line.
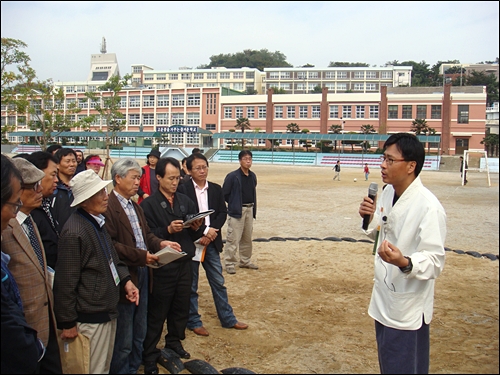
135,244
208,196
166,211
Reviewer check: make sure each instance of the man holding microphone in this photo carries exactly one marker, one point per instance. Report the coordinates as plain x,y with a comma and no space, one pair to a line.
410,256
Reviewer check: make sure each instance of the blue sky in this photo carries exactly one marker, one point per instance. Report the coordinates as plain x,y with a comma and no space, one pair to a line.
62,35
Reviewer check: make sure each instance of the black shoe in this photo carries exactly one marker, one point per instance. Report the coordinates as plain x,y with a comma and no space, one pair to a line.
180,350
150,368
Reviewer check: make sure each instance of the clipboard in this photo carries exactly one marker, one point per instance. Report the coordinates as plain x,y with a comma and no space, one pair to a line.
194,217
166,255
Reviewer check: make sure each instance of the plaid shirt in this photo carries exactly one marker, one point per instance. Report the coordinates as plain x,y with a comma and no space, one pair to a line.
128,207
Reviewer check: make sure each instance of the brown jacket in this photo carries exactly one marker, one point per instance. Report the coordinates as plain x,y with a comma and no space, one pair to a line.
32,280
118,226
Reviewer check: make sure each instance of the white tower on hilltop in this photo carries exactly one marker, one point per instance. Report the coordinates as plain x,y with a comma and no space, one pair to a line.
104,65
103,45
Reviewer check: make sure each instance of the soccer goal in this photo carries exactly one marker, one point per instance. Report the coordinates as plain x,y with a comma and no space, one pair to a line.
475,161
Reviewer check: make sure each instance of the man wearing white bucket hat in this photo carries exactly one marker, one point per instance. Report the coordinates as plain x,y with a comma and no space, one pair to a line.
89,273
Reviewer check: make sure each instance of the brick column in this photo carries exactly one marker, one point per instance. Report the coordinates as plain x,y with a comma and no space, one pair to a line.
382,113
446,121
269,114
323,114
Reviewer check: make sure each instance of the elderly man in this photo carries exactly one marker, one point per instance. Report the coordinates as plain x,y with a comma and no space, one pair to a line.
89,273
134,243
42,216
21,348
22,242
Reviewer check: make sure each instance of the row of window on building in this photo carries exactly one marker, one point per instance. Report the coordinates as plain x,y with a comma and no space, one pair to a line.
269,75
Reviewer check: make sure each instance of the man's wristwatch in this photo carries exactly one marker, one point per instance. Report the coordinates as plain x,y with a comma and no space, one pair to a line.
408,268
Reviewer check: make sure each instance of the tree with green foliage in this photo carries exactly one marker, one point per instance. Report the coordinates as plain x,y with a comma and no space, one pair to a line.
482,79
249,58
16,73
243,124
317,89
107,102
335,129
278,90
419,126
293,128
342,64
490,142
305,142
250,91
47,114
367,129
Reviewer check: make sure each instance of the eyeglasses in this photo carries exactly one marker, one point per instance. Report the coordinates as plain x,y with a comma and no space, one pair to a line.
203,168
34,186
17,205
247,158
389,161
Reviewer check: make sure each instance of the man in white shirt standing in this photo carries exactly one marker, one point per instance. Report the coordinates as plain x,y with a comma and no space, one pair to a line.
208,195
409,258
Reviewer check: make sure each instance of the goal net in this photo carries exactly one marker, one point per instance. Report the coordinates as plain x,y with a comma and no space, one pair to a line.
475,161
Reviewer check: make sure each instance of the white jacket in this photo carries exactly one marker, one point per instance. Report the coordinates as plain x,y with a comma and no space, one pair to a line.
416,225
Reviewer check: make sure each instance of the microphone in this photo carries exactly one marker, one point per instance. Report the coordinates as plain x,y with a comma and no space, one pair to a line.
372,193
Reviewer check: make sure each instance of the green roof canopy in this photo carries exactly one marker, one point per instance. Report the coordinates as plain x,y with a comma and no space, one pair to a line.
318,137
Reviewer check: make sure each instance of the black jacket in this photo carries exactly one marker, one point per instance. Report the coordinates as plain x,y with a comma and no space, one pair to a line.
60,205
159,215
215,202
233,195
48,235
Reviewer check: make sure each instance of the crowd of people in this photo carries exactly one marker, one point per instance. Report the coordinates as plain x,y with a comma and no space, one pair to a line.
75,257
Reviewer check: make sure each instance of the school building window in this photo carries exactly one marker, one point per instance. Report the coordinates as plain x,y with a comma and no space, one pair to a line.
421,111
346,111
407,111
303,111
290,111
392,111
374,111
360,111
436,112
334,111
463,114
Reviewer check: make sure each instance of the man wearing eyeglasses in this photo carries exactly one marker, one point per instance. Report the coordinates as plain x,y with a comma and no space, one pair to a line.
409,258
42,216
21,349
28,264
165,211
208,195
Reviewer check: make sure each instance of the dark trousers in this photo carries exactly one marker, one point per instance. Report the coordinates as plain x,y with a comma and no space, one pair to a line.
403,352
168,301
51,361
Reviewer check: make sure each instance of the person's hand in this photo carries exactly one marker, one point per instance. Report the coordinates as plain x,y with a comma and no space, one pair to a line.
195,225
204,240
131,292
391,254
212,233
175,226
144,196
173,245
367,207
151,258
70,333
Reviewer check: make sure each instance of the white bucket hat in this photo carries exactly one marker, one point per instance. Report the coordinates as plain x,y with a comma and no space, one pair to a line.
85,185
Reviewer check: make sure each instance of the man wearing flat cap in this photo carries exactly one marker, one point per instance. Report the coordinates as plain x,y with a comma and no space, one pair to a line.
22,242
89,273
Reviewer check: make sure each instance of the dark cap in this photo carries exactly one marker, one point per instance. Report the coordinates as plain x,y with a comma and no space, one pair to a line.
154,152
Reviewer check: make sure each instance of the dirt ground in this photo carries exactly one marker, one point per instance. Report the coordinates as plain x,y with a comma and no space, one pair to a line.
307,304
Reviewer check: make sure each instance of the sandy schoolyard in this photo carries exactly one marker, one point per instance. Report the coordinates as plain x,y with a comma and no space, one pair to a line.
307,304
